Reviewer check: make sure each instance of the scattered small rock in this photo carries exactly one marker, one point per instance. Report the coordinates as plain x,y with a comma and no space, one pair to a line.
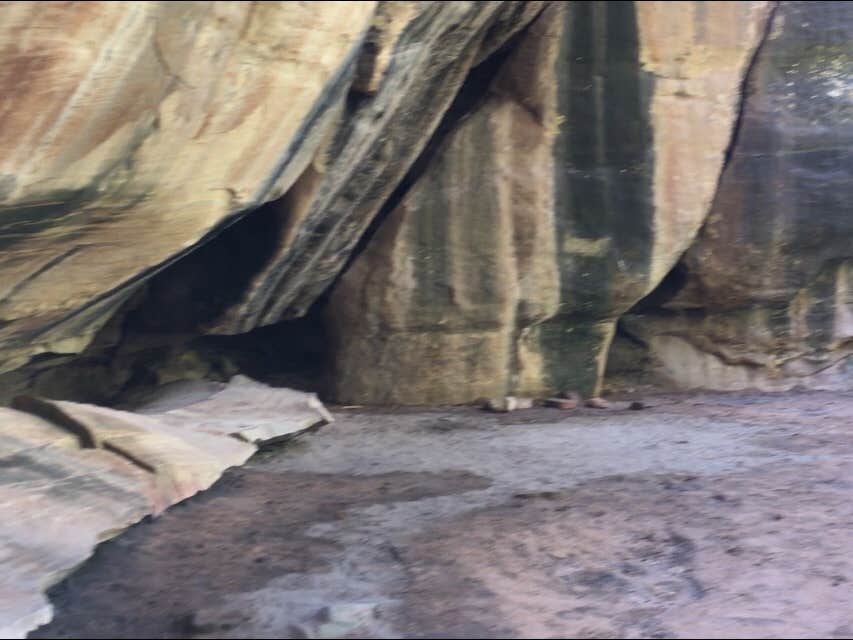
561,403
523,403
597,403
500,405
637,406
508,403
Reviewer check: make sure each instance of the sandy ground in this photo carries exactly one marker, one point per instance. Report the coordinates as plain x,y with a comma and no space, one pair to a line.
714,515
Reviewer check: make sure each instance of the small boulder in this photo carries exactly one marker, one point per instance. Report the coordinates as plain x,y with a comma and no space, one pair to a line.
561,403
508,403
523,403
499,405
597,403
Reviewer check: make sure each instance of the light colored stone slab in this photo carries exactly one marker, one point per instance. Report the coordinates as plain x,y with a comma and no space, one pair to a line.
73,475
252,412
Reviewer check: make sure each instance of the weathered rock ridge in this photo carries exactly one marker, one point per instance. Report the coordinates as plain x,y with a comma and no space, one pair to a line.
463,198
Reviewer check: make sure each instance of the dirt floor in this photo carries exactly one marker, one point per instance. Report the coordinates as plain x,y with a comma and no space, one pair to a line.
714,515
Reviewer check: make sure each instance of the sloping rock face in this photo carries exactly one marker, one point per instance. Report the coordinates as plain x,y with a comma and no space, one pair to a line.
560,201
130,130
393,114
134,131
766,291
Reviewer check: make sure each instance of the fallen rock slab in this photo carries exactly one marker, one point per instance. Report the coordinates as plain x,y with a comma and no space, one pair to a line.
73,475
252,412
57,502
597,403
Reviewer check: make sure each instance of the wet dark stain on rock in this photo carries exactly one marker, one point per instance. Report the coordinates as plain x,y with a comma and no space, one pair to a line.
604,183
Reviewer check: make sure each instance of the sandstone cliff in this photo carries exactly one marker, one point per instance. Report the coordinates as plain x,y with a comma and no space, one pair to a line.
462,198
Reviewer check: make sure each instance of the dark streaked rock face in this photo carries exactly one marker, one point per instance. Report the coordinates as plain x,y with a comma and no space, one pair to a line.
136,132
603,189
767,299
550,210
416,57
473,193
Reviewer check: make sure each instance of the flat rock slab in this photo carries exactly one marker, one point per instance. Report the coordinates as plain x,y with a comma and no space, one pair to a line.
252,412
73,475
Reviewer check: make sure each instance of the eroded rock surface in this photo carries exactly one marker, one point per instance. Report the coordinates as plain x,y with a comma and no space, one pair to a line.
766,291
471,193
561,200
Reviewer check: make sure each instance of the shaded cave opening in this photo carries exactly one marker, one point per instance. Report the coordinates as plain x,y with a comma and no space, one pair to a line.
161,336
630,364
191,294
170,330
